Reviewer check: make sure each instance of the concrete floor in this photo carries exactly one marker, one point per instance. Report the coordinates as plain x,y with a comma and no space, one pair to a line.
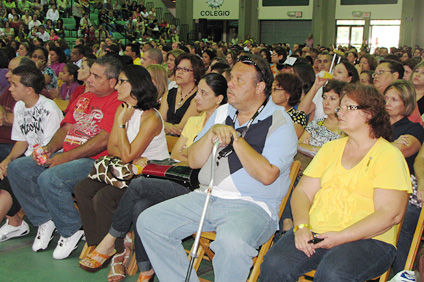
19,263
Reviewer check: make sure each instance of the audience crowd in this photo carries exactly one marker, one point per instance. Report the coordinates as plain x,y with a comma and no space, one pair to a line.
102,97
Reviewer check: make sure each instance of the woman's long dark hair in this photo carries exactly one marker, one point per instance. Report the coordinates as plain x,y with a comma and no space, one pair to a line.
292,84
60,53
142,87
218,84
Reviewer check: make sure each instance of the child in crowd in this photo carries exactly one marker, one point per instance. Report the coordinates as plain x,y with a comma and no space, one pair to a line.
69,77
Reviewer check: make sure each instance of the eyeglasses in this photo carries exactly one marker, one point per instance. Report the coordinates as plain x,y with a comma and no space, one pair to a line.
120,81
184,69
278,89
34,56
348,107
248,61
380,73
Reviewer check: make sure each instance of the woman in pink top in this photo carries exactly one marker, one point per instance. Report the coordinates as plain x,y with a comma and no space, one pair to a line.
57,60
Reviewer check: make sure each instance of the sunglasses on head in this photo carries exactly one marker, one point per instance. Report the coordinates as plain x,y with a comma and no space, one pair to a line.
248,61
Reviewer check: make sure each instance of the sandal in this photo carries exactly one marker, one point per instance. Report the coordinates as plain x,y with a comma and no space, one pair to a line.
91,263
114,266
128,245
145,278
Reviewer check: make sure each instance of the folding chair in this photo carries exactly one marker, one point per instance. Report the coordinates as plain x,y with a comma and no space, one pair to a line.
207,237
86,251
132,266
170,141
416,241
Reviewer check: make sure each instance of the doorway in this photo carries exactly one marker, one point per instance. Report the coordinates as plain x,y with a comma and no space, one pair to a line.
350,33
384,33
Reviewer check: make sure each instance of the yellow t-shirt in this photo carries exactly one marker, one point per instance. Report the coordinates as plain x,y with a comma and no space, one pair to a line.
346,196
137,61
193,127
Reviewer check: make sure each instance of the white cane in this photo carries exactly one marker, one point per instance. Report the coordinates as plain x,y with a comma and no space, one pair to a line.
332,64
193,253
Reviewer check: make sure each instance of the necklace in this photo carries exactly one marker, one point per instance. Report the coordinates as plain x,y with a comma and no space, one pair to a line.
182,98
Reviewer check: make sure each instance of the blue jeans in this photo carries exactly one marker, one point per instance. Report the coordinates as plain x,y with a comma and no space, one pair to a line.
405,238
46,193
354,261
140,195
241,227
5,149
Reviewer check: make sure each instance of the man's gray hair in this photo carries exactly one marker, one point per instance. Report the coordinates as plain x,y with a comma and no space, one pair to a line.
25,62
113,66
156,55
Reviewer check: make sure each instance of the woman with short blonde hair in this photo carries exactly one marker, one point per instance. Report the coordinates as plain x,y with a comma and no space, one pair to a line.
160,78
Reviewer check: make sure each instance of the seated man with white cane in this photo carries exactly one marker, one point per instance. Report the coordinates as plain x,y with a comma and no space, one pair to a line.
248,186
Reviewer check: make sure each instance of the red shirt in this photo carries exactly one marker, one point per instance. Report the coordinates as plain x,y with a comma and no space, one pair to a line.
77,92
416,116
89,115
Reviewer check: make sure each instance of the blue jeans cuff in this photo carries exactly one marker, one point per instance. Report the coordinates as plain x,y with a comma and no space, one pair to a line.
117,234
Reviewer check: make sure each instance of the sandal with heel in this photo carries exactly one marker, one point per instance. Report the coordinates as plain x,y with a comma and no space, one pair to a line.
114,266
146,278
128,245
90,264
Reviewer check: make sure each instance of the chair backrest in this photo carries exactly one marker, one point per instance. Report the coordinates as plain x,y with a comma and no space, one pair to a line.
294,170
385,276
416,241
171,140
254,275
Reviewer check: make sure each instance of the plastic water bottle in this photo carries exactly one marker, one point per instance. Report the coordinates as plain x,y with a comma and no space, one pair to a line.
325,74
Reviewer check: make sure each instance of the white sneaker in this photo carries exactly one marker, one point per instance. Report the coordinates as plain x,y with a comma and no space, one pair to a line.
65,246
44,236
8,231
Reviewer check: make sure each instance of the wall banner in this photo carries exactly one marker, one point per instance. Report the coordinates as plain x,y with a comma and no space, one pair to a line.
216,9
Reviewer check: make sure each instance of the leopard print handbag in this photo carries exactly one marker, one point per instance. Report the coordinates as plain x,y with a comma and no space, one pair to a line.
111,170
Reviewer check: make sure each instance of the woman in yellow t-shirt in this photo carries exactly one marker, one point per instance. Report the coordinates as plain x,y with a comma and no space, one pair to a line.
208,99
348,204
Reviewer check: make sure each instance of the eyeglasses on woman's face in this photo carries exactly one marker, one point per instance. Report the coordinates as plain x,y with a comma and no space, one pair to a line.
380,72
35,56
121,81
183,69
348,107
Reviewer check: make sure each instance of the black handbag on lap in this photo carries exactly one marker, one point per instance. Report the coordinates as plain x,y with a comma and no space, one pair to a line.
166,169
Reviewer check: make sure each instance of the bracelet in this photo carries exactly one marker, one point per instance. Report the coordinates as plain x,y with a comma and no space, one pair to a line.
297,227
121,126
